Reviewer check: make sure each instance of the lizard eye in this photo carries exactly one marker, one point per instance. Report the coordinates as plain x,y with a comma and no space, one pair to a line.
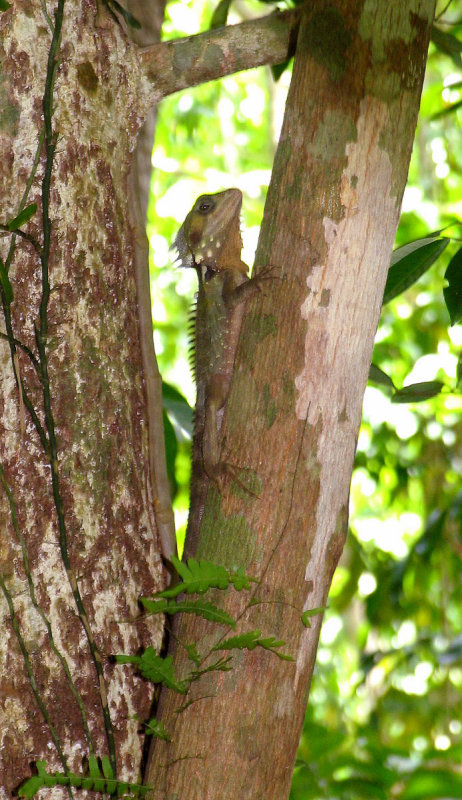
205,205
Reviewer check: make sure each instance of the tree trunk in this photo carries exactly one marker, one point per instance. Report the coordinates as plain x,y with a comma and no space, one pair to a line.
80,507
84,544
294,409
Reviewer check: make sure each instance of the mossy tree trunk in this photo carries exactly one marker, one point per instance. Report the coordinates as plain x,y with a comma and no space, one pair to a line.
80,507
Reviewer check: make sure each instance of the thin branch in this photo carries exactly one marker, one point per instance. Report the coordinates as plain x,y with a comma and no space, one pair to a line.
174,65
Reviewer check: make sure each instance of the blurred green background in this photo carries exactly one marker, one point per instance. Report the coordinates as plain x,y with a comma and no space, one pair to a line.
385,712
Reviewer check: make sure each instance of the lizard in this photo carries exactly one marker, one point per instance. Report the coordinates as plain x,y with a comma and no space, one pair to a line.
210,242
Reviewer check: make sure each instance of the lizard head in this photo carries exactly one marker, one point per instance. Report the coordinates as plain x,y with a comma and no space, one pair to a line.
211,233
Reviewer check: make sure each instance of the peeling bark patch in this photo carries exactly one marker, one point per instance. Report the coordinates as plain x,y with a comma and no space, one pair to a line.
87,77
336,128
213,57
182,63
350,253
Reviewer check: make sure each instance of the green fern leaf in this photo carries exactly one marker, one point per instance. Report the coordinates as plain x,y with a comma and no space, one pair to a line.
193,653
311,612
155,669
200,607
155,728
199,576
95,781
31,786
222,665
251,640
106,766
23,217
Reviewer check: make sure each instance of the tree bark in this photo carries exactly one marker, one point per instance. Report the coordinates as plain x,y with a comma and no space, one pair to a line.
293,414
79,539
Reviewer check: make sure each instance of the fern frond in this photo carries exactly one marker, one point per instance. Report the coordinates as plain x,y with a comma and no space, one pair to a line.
98,780
198,576
251,640
200,607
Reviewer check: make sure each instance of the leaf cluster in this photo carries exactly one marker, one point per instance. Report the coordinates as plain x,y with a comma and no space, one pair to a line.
197,578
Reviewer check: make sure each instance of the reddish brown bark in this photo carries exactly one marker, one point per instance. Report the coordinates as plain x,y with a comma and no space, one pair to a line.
294,405
294,409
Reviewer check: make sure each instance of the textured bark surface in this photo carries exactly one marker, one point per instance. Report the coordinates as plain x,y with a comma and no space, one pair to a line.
51,697
98,399
294,409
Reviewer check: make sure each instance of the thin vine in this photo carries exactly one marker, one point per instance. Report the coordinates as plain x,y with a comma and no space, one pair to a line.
46,433
31,676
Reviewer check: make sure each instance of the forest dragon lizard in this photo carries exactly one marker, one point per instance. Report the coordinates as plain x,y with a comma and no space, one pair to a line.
210,241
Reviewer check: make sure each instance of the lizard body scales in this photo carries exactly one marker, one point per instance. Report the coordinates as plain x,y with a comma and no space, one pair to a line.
210,241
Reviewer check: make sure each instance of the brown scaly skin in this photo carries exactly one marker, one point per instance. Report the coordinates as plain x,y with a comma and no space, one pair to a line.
210,241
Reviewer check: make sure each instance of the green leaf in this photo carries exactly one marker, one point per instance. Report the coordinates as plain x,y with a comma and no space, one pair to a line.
459,371
171,450
220,15
4,6
453,292
155,728
5,282
199,607
377,375
251,640
179,411
31,785
409,262
155,669
198,576
106,767
448,44
240,580
447,110
93,767
95,781
278,69
359,788
193,653
23,216
417,392
311,612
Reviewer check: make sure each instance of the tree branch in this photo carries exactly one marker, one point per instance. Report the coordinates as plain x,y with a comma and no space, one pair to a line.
174,65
